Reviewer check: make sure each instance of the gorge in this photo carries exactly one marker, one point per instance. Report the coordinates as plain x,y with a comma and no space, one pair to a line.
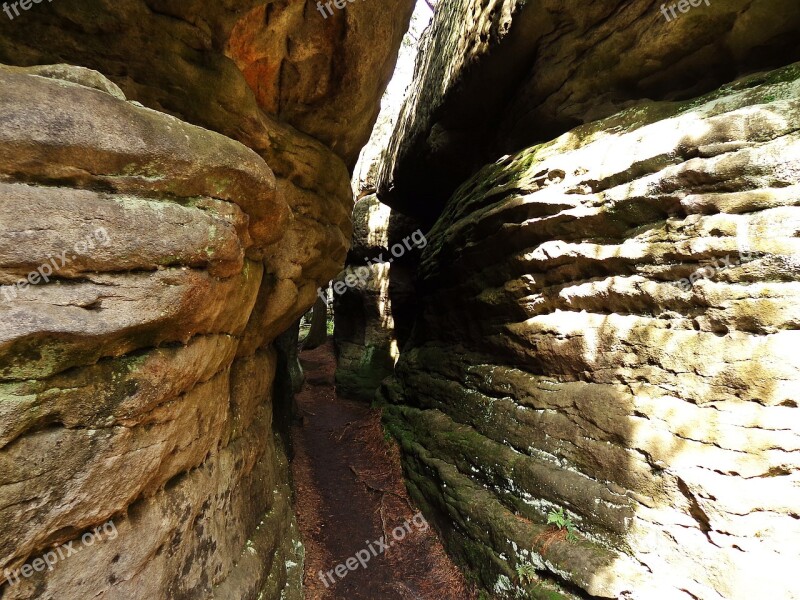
572,419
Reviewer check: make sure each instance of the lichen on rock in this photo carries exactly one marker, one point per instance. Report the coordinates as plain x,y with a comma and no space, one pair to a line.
557,363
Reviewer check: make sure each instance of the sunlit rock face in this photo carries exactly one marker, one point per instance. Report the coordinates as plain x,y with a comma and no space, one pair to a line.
608,325
374,313
212,198
495,77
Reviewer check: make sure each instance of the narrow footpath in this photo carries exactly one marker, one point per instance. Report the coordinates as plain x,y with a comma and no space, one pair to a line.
352,504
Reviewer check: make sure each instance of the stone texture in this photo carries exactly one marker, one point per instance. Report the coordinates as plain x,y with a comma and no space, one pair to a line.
321,74
366,349
363,325
495,77
365,173
137,381
559,361
125,393
308,121
368,330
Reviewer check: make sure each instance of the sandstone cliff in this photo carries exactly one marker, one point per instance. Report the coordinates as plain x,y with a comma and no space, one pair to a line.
495,77
599,330
198,180
559,362
374,314
606,316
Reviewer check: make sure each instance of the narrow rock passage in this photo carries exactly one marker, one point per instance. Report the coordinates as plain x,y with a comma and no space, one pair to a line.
350,493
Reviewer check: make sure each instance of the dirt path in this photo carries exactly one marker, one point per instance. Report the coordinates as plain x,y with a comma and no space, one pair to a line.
351,500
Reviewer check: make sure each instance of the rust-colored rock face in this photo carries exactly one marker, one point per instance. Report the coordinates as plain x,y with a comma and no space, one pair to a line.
598,384
174,187
321,74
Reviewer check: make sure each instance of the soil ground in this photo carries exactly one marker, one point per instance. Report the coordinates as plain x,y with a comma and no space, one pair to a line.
350,493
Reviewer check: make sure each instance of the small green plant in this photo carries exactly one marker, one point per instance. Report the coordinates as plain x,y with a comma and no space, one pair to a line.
563,522
526,573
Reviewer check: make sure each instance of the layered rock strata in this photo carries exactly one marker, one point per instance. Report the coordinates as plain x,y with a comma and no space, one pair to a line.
127,393
374,314
495,77
607,327
275,76
136,379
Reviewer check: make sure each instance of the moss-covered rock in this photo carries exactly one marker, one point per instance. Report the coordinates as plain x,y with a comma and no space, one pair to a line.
605,327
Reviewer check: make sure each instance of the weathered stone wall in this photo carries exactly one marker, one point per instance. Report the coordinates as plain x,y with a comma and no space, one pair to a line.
366,171
374,315
495,77
137,383
559,360
126,392
202,62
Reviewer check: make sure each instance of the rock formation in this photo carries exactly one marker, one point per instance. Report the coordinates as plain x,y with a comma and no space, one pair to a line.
494,77
606,311
184,170
366,171
374,314
599,331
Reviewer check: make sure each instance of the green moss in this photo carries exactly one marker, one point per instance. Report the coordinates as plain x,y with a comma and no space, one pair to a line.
764,87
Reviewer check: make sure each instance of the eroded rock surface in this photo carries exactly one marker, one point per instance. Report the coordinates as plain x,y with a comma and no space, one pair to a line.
125,391
495,77
185,167
369,330
321,74
608,325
